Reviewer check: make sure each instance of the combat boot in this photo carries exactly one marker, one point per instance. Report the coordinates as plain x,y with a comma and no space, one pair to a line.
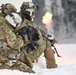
50,59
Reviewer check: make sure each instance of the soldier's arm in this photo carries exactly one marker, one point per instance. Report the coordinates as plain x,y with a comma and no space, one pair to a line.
9,36
12,40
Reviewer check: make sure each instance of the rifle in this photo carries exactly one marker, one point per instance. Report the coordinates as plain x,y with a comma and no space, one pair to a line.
53,41
30,46
33,37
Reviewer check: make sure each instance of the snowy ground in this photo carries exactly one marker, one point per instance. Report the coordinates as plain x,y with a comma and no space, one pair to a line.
66,64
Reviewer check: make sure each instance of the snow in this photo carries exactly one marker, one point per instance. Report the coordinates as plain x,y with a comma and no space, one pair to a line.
66,64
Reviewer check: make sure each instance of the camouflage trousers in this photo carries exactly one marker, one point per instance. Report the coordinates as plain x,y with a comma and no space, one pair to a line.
37,53
25,62
22,64
18,65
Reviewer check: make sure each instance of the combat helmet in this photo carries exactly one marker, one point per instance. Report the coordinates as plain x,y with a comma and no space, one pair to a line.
29,8
7,8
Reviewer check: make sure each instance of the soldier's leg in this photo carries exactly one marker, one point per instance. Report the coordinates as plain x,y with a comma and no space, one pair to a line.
17,66
49,55
22,67
4,66
26,59
34,55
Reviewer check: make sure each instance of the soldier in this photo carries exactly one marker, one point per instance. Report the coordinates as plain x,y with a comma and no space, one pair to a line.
27,13
12,55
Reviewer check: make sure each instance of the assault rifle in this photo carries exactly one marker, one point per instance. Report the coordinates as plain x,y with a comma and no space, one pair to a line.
53,41
33,37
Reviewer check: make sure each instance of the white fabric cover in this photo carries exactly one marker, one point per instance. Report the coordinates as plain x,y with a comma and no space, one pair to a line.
16,19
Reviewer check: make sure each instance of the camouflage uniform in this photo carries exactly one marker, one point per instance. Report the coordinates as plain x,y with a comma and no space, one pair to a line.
44,46
12,56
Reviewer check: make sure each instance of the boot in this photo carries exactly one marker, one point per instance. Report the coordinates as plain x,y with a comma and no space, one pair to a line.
50,59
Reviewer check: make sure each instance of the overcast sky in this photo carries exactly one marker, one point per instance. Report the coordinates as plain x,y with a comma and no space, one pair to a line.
17,3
